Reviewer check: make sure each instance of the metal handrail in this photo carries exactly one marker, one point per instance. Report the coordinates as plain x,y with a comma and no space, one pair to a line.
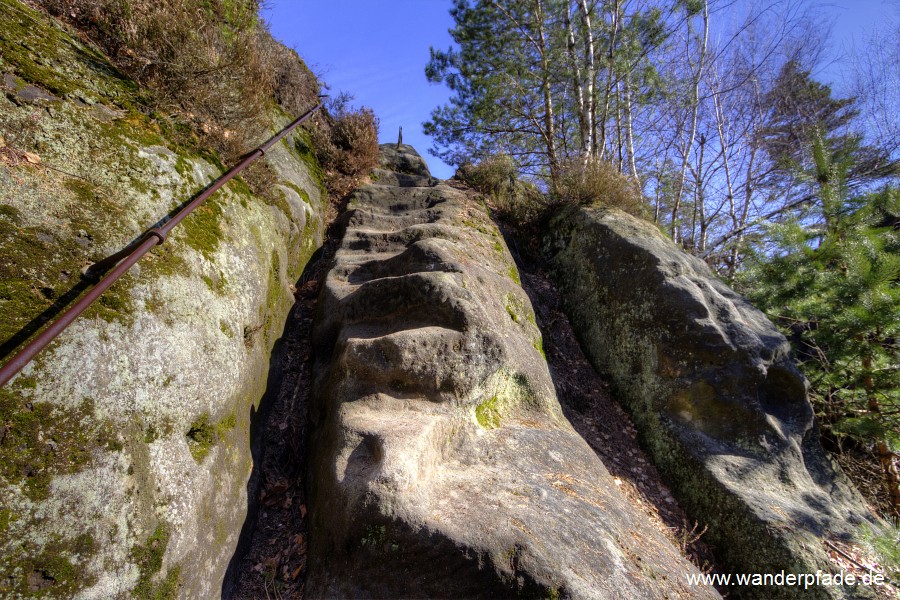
123,260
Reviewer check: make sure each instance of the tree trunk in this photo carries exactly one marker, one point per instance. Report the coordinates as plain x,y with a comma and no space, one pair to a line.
549,127
590,76
882,451
695,108
629,129
610,55
584,127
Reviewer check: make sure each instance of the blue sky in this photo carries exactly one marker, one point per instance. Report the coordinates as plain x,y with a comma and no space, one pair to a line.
377,50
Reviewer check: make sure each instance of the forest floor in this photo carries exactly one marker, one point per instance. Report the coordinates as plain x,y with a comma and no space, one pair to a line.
273,564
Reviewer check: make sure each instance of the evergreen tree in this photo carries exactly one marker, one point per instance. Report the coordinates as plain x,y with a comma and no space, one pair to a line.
802,113
502,76
836,291
544,80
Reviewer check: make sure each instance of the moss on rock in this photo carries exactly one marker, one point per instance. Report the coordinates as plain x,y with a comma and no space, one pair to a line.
41,441
149,559
106,428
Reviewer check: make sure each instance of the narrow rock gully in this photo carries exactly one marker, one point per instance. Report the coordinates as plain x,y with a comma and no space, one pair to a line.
271,558
596,415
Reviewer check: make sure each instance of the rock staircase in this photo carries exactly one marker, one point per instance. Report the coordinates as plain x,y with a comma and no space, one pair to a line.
442,465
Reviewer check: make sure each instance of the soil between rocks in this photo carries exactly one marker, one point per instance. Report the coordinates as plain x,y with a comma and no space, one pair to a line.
604,425
270,561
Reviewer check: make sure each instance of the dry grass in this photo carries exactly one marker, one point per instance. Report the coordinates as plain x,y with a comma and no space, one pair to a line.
494,175
345,141
213,65
599,182
513,200
209,63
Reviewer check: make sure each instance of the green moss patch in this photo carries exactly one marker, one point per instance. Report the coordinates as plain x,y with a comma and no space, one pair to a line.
149,559
10,213
226,329
166,260
217,283
509,393
513,274
134,129
300,191
83,190
273,293
517,310
42,54
40,441
488,413
116,303
279,201
303,149
34,271
56,571
23,29
202,229
203,434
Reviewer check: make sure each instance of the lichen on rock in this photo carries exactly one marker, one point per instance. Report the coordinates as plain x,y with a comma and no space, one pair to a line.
124,451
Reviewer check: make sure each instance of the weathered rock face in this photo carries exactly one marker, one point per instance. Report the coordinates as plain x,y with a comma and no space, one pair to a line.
441,463
124,446
713,392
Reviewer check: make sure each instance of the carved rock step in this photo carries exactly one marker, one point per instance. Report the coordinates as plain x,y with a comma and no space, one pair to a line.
442,465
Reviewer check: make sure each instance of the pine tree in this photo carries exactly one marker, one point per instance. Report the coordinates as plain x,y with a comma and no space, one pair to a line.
835,288
503,75
545,80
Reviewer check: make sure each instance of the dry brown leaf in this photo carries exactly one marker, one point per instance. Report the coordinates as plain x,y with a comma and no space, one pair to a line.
32,158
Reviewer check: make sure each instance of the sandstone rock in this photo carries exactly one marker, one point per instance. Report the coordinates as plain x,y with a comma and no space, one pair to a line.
441,463
404,159
124,452
713,392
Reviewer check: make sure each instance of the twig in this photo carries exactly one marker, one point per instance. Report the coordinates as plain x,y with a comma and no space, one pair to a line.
67,173
847,556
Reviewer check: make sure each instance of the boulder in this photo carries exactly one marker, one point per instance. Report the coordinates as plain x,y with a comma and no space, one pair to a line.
124,446
713,392
441,463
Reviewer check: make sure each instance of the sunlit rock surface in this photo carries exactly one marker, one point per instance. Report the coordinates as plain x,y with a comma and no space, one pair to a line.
124,446
713,392
442,465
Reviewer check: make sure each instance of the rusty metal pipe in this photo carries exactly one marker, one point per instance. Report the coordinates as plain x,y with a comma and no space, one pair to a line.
126,258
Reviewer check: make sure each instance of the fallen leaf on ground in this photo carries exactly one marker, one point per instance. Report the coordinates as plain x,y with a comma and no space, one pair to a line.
32,158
